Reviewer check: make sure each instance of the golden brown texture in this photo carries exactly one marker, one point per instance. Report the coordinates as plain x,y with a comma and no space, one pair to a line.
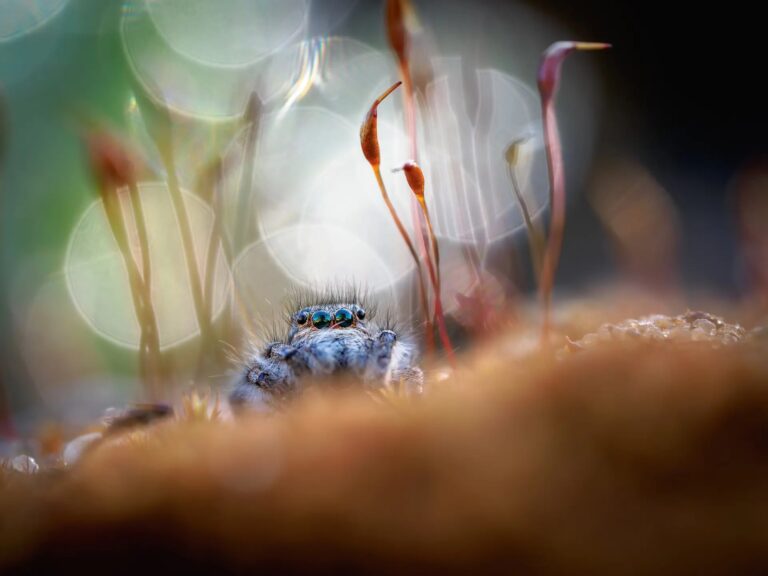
624,458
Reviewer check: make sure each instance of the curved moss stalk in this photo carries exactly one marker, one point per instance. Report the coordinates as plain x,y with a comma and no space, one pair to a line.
548,81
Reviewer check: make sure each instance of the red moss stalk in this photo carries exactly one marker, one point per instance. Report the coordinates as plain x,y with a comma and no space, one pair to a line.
369,142
548,80
400,17
415,178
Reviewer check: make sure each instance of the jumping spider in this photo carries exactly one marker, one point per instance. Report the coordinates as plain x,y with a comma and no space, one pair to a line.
332,336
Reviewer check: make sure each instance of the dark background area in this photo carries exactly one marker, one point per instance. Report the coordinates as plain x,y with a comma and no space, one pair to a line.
693,76
685,95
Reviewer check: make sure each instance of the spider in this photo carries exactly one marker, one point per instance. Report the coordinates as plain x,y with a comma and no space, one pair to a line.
332,336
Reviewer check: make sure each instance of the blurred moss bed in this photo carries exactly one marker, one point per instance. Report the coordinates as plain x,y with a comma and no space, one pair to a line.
627,456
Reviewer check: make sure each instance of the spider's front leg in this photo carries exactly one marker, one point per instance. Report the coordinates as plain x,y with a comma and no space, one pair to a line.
391,363
270,378
395,360
381,356
299,360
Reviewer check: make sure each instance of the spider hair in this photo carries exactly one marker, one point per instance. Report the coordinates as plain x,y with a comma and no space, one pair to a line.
342,293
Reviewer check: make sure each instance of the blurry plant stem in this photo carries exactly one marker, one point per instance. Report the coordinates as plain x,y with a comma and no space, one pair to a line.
429,330
397,15
469,250
401,23
6,422
216,242
149,350
251,119
180,208
160,127
150,339
535,235
410,109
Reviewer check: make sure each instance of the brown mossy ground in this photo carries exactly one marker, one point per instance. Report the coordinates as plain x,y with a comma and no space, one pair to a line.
622,459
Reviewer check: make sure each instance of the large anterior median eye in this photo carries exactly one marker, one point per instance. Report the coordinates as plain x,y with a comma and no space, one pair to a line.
321,319
343,318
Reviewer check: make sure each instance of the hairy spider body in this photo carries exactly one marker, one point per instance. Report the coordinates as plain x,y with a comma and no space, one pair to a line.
333,336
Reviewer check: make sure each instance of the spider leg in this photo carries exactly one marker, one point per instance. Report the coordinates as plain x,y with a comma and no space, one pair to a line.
392,364
267,381
380,361
298,359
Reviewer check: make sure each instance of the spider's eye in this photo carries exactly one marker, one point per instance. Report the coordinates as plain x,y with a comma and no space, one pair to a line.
360,314
343,318
321,319
301,318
